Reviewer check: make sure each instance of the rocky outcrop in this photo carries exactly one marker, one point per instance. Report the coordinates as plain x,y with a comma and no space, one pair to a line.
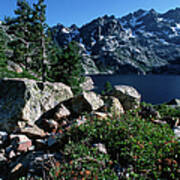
128,96
34,117
141,42
23,101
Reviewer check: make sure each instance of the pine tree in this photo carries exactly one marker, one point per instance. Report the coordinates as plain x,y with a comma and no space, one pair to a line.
40,37
68,69
3,47
20,28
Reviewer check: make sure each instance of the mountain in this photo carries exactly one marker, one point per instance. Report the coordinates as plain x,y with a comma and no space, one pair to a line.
141,42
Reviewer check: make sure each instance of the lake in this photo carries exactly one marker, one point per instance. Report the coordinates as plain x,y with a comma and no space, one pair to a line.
154,89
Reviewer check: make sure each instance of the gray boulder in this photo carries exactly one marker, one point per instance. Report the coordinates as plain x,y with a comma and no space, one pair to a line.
23,101
128,96
112,104
85,102
175,102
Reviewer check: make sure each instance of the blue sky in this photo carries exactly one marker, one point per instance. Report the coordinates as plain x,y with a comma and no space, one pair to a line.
80,12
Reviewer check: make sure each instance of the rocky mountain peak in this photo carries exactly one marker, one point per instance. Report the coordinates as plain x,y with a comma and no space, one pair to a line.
173,15
144,41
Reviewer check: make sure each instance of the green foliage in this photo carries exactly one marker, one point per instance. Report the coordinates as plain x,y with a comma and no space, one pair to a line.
144,149
31,43
67,68
20,29
166,110
5,73
3,47
107,88
40,37
84,162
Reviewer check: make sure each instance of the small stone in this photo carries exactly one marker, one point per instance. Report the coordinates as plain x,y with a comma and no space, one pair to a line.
33,132
101,147
2,158
17,168
52,140
81,120
24,146
100,115
22,142
12,154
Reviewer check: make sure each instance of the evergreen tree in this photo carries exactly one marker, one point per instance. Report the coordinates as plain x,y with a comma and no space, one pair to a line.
68,69
40,37
3,48
20,28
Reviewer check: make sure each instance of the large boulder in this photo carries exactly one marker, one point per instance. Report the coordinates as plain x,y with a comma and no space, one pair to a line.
112,105
23,101
85,102
127,95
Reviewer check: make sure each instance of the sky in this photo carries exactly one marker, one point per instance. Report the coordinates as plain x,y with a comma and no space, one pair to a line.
79,12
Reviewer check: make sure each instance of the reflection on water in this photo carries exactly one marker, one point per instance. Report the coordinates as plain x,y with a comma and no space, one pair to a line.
154,89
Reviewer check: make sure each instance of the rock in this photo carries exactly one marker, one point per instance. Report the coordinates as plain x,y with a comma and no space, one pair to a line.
128,96
37,163
101,147
11,154
52,140
21,142
88,84
85,102
119,45
3,138
40,144
3,159
12,66
157,121
16,168
61,112
100,115
48,125
32,100
81,120
175,102
177,131
112,105
33,132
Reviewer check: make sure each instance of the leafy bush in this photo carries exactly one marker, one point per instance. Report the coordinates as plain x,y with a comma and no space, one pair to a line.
144,149
84,162
166,110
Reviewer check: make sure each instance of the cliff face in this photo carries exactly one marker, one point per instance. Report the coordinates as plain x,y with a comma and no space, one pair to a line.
141,42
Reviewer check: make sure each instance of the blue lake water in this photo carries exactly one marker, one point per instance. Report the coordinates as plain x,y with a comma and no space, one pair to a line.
154,89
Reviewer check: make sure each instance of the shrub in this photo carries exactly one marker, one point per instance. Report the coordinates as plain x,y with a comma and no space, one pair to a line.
144,149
